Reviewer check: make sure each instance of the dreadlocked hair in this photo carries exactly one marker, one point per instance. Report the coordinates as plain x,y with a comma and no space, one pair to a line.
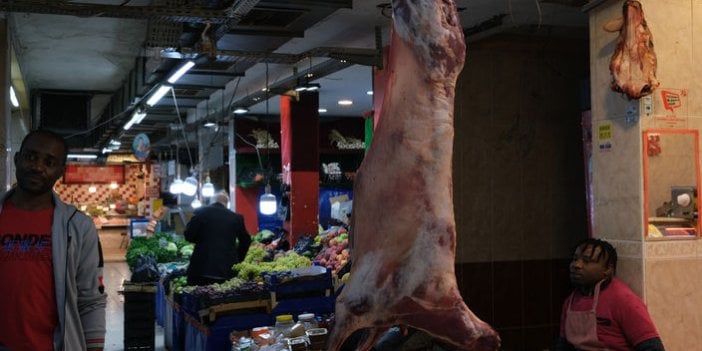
607,251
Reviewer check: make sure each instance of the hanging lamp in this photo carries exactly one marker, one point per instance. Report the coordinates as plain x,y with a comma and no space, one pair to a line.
208,189
267,203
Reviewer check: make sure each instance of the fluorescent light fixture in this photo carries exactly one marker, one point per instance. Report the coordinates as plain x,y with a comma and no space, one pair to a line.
345,102
115,142
13,97
241,110
267,203
369,92
210,124
106,150
137,117
180,72
82,156
308,87
158,95
322,110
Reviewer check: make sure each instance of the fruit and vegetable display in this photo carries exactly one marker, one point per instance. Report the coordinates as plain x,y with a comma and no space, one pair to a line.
232,290
163,247
334,254
260,259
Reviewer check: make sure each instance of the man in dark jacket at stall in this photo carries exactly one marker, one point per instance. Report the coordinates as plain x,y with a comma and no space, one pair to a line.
220,239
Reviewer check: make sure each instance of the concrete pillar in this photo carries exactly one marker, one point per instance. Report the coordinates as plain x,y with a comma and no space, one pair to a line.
665,272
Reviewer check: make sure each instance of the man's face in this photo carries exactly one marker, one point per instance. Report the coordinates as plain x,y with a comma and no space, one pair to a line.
588,267
39,164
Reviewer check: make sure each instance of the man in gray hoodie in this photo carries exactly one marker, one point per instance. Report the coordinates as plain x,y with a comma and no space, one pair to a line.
51,296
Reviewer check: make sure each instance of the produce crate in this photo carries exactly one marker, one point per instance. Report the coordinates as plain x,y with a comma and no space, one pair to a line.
300,287
160,301
316,305
210,314
215,337
194,305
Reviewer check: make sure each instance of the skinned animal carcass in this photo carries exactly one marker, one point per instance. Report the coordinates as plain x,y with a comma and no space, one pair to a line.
633,64
403,225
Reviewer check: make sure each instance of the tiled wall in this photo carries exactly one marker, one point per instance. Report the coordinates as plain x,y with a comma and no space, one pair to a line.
138,178
665,273
518,182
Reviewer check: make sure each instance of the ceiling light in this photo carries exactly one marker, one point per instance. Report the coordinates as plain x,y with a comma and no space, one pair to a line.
307,87
268,204
137,117
92,189
106,150
210,124
180,72
208,189
196,203
345,102
241,110
114,185
13,97
176,187
322,110
190,186
115,142
369,92
158,95
82,156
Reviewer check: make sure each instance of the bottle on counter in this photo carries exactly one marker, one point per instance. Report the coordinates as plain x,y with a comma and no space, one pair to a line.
283,324
308,320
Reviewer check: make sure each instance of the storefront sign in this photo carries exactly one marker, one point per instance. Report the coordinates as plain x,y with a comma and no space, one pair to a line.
93,174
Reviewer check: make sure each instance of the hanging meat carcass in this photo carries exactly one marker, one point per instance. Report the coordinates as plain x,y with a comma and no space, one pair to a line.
633,65
403,225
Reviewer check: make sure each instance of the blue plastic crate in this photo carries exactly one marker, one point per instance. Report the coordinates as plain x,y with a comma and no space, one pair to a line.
190,304
298,286
316,305
215,337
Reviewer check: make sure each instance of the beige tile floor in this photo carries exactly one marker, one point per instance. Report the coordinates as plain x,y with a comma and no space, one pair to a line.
115,272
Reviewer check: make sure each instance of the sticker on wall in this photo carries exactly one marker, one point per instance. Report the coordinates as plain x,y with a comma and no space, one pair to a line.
604,136
670,108
141,147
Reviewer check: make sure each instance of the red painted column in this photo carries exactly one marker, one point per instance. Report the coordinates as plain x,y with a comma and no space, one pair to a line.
299,129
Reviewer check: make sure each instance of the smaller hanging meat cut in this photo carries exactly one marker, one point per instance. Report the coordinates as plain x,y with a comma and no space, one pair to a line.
633,65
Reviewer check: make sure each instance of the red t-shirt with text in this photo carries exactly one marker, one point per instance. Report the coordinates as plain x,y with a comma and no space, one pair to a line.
28,301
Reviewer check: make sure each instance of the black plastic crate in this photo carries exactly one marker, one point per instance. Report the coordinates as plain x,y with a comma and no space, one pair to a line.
142,343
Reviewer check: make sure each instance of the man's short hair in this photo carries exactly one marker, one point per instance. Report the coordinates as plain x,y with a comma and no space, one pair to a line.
607,251
53,135
222,198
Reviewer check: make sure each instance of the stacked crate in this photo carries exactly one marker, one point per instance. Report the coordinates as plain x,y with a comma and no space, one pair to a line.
139,312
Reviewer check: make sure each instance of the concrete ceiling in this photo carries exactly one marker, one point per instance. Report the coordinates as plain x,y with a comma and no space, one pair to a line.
110,50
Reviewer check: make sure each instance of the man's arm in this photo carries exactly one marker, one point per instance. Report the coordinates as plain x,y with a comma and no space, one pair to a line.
192,229
244,239
91,293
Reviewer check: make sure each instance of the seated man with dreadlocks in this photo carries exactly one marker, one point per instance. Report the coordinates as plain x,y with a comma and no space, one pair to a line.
603,313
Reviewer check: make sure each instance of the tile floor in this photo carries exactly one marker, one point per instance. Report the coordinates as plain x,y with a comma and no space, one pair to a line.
115,272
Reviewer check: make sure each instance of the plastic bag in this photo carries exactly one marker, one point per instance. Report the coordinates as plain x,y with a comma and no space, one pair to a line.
145,270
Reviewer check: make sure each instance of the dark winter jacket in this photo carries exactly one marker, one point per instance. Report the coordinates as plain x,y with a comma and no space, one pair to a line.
214,230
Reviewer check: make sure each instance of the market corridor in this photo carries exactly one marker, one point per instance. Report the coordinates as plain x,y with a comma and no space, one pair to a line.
115,272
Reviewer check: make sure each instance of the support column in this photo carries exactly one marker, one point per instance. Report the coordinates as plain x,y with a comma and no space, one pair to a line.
299,128
665,271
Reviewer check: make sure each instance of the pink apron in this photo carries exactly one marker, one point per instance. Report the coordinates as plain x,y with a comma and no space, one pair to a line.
581,326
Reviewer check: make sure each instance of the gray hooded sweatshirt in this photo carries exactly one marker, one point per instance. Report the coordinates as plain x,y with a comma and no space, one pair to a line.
77,265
